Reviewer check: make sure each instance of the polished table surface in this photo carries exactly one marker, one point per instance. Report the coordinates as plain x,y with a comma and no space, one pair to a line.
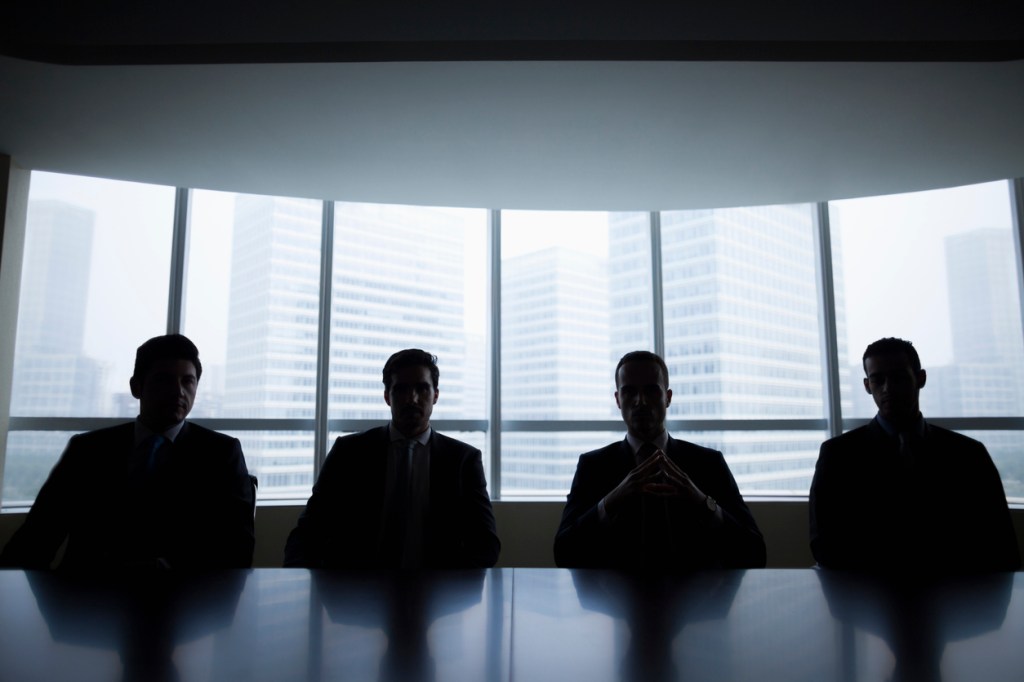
509,625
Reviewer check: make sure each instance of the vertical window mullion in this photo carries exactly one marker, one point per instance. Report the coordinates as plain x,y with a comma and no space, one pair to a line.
657,300
1017,228
827,318
14,183
321,436
494,394
179,260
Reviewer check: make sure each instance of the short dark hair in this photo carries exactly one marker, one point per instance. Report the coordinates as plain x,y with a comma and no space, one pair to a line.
410,357
891,346
168,347
642,356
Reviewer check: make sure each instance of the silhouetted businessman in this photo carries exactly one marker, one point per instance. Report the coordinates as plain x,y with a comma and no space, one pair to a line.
651,501
156,492
401,495
900,493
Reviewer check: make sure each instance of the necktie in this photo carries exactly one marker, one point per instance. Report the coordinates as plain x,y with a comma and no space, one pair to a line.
656,526
908,448
153,446
396,535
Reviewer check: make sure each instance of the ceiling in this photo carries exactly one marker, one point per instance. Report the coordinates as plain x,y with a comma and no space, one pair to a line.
502,105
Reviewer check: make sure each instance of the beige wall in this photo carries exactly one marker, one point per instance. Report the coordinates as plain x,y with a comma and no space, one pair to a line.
527,530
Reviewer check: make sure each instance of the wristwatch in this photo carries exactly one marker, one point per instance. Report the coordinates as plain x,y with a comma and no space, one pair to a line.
711,504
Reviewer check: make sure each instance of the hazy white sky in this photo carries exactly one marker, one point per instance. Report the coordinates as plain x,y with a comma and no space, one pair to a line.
893,256
894,260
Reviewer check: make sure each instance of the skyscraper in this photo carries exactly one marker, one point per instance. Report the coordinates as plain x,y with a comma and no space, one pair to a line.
272,334
984,303
51,376
742,336
554,361
397,282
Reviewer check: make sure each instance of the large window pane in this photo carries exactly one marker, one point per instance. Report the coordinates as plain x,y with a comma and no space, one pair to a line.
766,462
281,460
94,287
252,299
208,293
742,337
542,464
1005,447
936,268
29,458
741,313
576,295
408,277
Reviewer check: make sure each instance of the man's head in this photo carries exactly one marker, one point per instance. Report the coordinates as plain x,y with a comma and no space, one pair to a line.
165,379
410,389
894,379
642,393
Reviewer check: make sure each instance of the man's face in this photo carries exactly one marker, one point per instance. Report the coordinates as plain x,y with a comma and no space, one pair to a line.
411,397
166,393
894,385
643,397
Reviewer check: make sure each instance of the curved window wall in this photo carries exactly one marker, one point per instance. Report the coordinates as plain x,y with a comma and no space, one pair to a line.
760,312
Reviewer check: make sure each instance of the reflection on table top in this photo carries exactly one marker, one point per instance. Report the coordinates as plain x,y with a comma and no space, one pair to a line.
509,624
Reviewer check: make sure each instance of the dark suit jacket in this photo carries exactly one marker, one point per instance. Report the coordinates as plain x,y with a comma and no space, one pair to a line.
585,541
947,514
340,525
197,514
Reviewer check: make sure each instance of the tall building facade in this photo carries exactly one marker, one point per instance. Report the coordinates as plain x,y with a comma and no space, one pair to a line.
52,377
554,362
397,282
742,340
987,374
272,334
984,304
742,335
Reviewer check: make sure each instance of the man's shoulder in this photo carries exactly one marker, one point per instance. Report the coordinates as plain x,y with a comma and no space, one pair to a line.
99,442
685,447
609,451
952,438
442,443
358,440
853,437
192,430
107,433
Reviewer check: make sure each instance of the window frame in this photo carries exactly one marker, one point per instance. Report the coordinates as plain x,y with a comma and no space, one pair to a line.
832,422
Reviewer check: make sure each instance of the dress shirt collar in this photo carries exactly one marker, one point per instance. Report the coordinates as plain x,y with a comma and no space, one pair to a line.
634,443
396,435
142,432
918,427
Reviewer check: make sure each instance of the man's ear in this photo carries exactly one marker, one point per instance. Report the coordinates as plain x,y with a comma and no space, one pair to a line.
668,397
922,377
617,403
136,387
867,387
387,398
436,394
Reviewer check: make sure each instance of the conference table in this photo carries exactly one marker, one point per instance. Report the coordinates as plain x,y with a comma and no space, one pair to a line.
509,625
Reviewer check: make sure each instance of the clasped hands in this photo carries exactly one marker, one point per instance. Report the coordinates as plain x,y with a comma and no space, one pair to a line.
657,476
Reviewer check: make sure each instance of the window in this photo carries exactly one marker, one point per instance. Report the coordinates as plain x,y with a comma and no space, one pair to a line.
730,297
940,269
252,300
408,277
94,282
575,295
